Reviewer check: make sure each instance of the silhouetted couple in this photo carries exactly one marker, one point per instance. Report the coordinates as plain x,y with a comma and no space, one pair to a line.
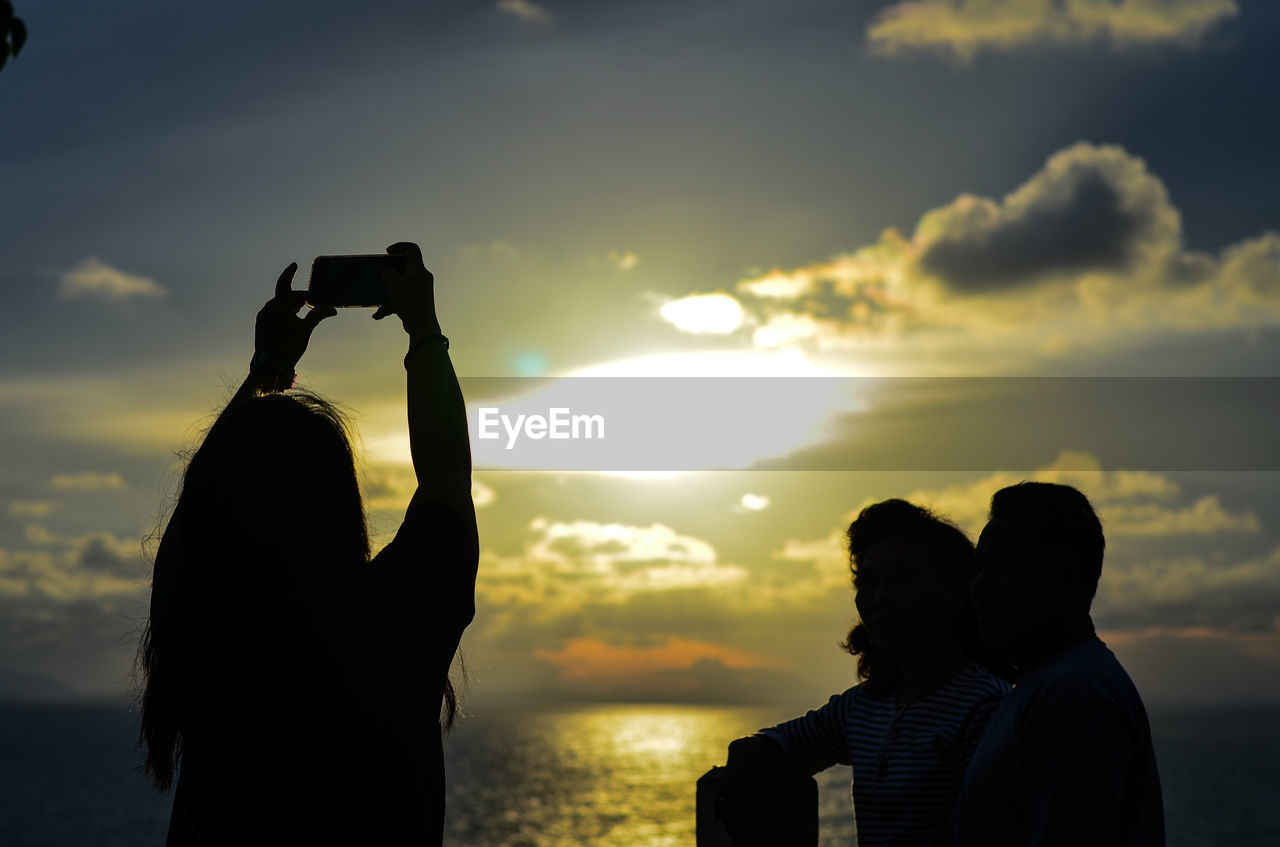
294,685
941,751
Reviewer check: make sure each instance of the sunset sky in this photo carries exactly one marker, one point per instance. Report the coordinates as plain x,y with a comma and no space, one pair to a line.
871,192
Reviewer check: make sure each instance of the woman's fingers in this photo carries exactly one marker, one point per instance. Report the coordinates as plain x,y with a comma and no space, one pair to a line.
314,316
411,252
285,280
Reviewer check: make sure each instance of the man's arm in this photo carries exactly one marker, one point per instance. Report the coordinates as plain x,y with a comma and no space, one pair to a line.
1076,757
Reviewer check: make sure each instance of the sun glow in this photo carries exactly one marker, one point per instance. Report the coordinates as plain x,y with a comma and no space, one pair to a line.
716,363
713,314
662,414
671,412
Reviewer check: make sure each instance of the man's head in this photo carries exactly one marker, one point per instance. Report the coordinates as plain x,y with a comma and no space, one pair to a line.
1037,566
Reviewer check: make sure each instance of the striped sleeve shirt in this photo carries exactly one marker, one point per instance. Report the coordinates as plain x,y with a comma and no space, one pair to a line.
908,761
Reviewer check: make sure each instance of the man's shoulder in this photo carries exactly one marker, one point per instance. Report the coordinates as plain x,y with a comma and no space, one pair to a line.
1085,675
1089,662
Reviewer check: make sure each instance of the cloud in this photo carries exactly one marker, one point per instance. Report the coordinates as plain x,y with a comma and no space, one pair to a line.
390,487
1091,209
143,414
91,568
590,657
751,503
626,260
1128,502
97,551
1138,589
1087,252
31,508
626,558
103,552
38,534
671,669
74,607
1204,517
87,481
620,610
387,487
567,566
591,609
525,10
482,495
714,314
828,566
1191,590
962,28
95,278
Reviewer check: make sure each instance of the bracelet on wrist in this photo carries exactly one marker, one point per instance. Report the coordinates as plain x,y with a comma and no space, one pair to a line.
279,375
428,341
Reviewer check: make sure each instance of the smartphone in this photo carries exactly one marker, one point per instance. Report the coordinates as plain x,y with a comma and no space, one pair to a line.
351,281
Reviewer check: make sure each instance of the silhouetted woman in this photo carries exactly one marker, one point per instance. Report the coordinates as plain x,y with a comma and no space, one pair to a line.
294,685
912,724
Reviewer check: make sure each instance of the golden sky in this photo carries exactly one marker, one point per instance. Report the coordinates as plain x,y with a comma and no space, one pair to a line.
842,198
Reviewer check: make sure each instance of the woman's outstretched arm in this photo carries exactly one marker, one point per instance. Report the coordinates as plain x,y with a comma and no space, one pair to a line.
438,438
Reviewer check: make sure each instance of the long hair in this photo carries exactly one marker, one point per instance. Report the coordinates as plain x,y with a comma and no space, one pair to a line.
947,549
255,572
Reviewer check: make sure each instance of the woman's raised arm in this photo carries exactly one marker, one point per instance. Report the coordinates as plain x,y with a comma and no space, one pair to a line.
438,438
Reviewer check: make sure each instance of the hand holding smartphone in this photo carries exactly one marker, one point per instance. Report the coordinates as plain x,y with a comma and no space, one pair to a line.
412,293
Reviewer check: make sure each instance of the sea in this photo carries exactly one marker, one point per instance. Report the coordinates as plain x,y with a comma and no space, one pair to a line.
604,775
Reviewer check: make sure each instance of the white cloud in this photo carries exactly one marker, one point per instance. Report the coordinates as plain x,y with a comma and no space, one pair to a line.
599,546
482,495
593,578
715,314
95,278
525,10
751,503
963,28
87,481
566,565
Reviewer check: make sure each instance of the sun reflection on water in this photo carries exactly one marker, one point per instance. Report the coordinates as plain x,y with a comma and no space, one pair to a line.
609,776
